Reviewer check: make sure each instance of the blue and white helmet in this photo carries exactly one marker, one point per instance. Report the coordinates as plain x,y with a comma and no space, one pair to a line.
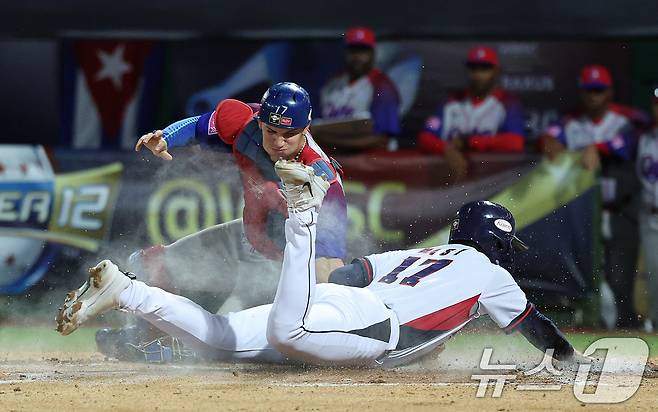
286,105
491,228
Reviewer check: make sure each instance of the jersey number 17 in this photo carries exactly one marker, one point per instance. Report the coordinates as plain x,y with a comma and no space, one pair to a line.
428,267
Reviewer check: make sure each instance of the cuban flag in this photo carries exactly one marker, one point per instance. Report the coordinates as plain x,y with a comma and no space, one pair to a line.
110,92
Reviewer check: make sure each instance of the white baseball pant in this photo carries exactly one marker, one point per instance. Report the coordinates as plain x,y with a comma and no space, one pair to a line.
323,323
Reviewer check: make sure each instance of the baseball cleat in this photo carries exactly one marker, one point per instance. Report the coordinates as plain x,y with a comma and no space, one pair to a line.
97,295
302,189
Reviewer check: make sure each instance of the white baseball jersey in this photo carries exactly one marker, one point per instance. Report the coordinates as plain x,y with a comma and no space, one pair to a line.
464,117
342,98
462,114
613,134
437,288
647,167
583,132
371,96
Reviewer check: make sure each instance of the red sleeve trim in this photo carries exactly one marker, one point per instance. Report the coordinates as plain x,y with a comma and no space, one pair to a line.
368,266
430,143
517,320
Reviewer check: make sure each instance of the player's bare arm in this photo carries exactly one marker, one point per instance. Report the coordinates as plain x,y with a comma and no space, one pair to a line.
324,266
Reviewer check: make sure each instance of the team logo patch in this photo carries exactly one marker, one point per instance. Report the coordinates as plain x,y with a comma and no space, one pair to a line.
554,131
275,118
617,142
433,123
455,224
503,225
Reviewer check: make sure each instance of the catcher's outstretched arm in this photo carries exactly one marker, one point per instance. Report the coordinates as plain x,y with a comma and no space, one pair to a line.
197,128
181,132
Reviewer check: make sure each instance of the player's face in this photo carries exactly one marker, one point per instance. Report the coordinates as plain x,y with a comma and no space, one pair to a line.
481,78
596,100
281,143
359,61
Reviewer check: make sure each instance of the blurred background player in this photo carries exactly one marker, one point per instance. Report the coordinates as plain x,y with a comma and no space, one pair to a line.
647,166
362,92
243,257
606,135
482,118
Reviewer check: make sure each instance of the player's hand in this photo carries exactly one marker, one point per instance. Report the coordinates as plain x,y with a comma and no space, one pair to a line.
156,143
456,161
591,159
552,148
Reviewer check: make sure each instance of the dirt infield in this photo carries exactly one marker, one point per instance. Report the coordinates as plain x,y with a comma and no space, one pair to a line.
87,381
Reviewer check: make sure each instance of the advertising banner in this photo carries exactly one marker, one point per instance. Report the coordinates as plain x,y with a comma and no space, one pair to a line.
110,204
